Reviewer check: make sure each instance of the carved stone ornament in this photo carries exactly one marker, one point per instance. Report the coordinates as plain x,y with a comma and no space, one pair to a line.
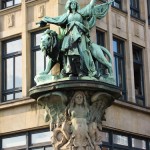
118,21
137,31
10,20
76,121
41,11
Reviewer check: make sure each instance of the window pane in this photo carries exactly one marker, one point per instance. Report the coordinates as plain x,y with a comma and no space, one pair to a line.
9,73
9,97
137,55
135,11
18,95
9,3
138,79
138,143
121,140
38,39
39,62
138,75
49,148
18,71
13,46
41,137
117,4
100,38
120,73
17,1
118,70
115,47
14,141
118,46
105,136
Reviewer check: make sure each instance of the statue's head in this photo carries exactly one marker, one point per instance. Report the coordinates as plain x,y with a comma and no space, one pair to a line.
70,4
48,41
79,98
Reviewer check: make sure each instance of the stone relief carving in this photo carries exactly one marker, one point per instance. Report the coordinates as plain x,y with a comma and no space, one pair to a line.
76,121
137,31
10,20
41,11
118,22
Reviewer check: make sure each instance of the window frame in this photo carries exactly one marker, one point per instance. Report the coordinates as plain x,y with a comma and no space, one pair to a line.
5,56
3,3
28,145
134,9
122,58
112,145
34,49
118,2
100,41
137,48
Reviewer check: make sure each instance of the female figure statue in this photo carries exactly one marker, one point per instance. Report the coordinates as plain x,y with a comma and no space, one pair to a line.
76,24
78,112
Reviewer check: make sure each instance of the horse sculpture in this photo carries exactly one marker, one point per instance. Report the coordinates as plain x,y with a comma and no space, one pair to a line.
51,45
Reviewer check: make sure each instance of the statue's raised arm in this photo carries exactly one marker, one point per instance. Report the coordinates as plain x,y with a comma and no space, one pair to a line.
92,3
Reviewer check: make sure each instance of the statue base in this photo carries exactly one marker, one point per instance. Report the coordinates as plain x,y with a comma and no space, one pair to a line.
48,78
75,110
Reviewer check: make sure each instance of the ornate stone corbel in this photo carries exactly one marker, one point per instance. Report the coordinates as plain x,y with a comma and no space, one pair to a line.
76,121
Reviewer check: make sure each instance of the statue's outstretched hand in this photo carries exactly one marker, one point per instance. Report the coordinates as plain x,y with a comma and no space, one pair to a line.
41,23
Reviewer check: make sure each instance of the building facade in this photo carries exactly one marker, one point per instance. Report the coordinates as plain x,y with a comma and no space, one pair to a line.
125,31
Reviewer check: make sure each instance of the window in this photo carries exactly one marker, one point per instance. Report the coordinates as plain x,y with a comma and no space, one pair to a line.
119,65
148,6
134,7
138,143
122,141
138,75
117,4
100,36
9,3
14,141
12,69
38,59
34,140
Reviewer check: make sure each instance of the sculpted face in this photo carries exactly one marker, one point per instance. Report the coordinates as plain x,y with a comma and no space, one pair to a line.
44,43
73,5
79,99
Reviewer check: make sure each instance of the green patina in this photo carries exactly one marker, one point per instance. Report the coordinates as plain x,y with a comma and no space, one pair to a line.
72,48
